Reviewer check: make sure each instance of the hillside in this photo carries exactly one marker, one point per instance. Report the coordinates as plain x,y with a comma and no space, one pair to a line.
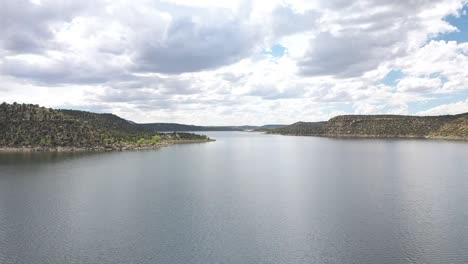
107,121
383,126
32,126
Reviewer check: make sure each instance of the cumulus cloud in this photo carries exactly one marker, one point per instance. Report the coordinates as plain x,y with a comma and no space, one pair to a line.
445,59
206,61
193,44
286,20
419,85
452,109
27,26
359,36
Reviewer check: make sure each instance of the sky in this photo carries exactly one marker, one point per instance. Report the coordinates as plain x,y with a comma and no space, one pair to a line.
236,62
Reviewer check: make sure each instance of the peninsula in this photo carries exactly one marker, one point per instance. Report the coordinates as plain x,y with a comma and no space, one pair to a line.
27,127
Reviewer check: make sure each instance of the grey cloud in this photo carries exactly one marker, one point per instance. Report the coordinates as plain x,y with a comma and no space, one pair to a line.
325,95
27,28
130,96
67,71
272,93
178,86
373,32
190,46
348,55
174,85
337,4
139,98
234,78
147,99
192,40
156,105
210,102
406,5
286,21
197,39
140,89
301,90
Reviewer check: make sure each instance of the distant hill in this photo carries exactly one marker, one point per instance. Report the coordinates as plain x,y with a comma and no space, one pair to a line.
268,127
32,126
301,128
383,126
245,128
165,127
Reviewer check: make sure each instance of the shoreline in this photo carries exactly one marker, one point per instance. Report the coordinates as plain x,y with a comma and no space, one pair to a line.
25,149
336,136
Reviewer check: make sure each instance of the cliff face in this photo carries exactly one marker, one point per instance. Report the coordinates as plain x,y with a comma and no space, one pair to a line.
23,125
384,126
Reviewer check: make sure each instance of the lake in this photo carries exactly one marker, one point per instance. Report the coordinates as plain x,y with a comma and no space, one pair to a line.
246,198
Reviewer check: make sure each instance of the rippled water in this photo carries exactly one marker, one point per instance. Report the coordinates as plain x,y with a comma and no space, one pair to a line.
246,198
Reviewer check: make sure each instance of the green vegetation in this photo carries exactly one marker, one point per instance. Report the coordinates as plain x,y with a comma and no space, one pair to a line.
25,125
149,140
45,142
384,126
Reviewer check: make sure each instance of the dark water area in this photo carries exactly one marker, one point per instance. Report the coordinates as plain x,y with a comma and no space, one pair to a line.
246,198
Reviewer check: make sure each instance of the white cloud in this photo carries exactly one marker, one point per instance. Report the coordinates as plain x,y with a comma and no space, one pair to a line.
446,59
419,85
452,109
203,61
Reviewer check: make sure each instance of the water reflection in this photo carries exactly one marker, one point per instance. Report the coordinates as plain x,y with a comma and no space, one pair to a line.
246,198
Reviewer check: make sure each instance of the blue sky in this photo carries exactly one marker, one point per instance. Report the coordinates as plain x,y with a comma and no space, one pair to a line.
277,51
235,62
461,23
392,77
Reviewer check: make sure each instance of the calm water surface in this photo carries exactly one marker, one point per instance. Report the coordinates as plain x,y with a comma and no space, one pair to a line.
246,198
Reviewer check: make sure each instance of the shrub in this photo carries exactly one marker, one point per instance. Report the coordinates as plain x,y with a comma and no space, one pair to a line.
45,142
